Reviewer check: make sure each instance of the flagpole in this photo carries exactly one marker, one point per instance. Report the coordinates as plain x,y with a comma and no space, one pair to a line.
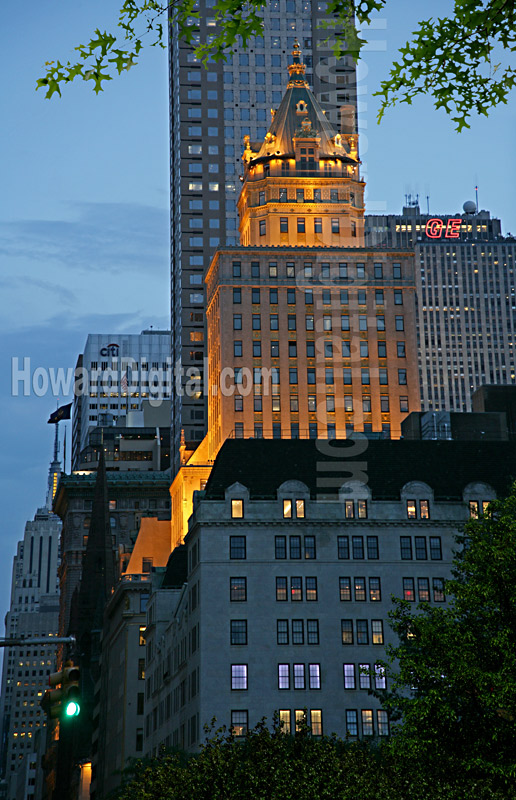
64,452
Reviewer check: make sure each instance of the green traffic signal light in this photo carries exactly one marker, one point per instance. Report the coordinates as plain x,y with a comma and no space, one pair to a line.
72,709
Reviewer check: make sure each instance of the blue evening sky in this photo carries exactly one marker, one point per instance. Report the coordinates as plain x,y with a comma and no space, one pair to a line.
84,205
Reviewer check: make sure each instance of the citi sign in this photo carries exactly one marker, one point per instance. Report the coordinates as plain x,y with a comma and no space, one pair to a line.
438,228
110,350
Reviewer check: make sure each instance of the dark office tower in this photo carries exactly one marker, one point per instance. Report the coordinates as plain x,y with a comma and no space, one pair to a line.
465,299
211,111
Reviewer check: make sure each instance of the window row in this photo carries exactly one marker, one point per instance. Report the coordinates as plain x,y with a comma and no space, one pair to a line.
478,508
295,550
366,718
323,271
358,348
357,544
324,297
418,509
295,631
423,590
357,588
243,374
299,676
290,720
357,631
361,322
329,431
296,589
361,676
422,547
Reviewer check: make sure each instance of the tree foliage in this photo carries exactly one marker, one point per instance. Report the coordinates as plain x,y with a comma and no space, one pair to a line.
453,675
450,58
267,763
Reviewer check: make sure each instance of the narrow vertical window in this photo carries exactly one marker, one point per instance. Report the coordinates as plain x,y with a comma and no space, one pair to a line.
349,676
283,676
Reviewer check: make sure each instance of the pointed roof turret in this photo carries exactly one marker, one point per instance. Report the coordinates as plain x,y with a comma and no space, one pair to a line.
300,116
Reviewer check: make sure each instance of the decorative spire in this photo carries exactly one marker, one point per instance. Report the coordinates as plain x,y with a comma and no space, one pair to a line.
54,472
297,69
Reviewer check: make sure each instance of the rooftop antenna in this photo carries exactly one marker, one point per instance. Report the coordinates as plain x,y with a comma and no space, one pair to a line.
428,204
476,196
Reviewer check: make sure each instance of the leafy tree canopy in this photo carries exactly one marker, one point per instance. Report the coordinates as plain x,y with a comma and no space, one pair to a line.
265,764
457,59
453,675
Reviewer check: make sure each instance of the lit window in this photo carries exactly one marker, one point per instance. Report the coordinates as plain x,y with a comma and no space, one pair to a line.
382,719
375,593
311,588
473,509
408,590
309,542
377,631
316,719
296,589
299,676
347,631
367,723
345,589
239,676
423,590
349,676
284,718
239,723
238,589
237,509
281,589
411,509
360,589
283,676
314,676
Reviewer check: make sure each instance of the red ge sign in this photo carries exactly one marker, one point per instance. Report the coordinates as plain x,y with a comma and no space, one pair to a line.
434,228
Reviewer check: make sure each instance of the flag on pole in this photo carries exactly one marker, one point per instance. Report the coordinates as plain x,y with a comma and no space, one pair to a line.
63,412
123,383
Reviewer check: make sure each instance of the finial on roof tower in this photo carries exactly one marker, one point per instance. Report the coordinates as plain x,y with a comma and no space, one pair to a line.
297,67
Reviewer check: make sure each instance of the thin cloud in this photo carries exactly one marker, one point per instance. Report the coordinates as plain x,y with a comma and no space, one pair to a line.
113,237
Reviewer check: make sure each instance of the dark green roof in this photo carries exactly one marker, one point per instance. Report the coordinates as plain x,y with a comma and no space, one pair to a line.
262,465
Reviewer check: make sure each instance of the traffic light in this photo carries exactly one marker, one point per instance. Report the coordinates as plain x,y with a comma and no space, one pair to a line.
63,703
71,695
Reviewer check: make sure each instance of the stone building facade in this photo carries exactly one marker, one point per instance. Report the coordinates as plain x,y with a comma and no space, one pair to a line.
294,551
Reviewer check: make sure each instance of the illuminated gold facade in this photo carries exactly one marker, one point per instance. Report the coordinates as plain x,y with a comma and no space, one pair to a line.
309,333
302,185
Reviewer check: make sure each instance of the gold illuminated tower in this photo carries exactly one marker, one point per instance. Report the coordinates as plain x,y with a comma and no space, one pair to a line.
302,184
